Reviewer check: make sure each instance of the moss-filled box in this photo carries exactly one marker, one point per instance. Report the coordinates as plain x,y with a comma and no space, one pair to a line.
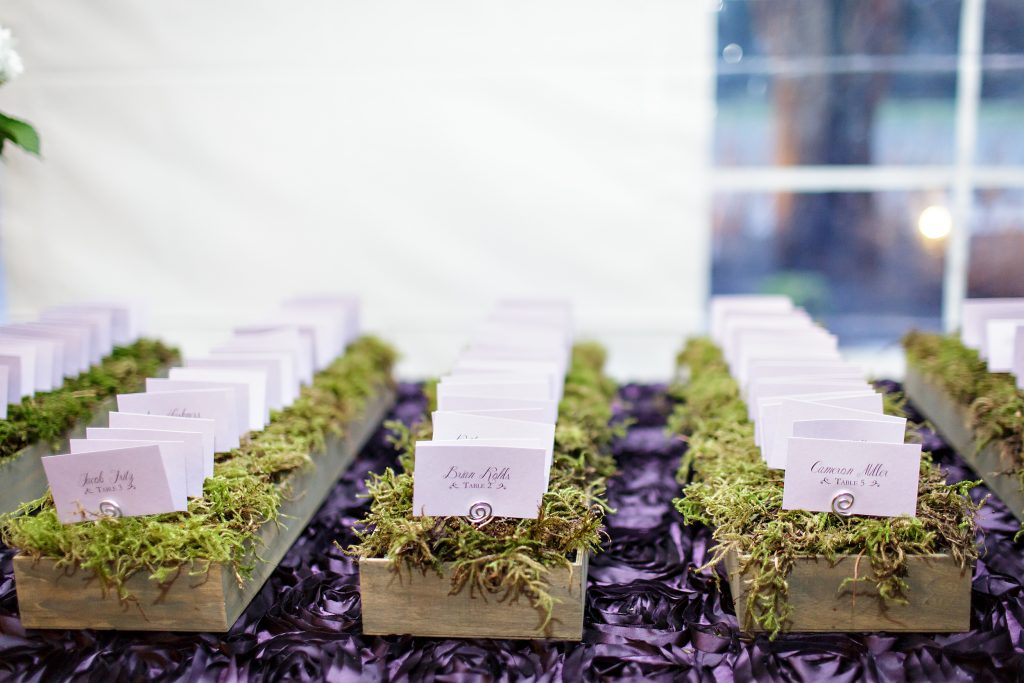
799,571
42,424
511,578
198,570
979,413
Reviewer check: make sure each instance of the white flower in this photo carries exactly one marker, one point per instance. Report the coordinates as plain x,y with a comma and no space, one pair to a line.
10,61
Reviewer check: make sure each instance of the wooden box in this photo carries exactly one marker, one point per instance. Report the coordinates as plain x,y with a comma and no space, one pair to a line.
940,596
50,597
950,418
409,602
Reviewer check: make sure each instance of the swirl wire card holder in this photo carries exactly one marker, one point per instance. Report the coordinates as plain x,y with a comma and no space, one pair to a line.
404,601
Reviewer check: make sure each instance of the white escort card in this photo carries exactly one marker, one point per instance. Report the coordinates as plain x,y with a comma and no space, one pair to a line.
496,388
466,426
852,477
199,466
1018,357
172,451
463,403
215,404
254,381
21,359
205,427
975,314
13,368
4,379
117,482
792,411
49,357
100,326
732,304
282,385
239,392
478,481
769,409
275,340
65,363
1000,337
494,430
776,387
881,431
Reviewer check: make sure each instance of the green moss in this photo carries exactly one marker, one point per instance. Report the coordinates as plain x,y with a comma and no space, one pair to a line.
740,498
508,558
245,492
995,404
47,417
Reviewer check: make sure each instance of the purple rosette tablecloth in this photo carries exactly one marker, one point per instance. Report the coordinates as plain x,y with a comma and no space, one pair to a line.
649,615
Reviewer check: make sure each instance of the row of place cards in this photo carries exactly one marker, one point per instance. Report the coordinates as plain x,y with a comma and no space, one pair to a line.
64,342
494,428
814,414
159,446
995,328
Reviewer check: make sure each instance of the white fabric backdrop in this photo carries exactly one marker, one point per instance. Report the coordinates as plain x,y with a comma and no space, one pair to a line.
211,157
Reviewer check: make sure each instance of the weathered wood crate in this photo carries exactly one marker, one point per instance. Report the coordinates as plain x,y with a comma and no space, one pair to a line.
951,420
411,603
940,596
63,598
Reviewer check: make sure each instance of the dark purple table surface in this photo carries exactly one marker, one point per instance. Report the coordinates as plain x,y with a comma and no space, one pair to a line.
649,615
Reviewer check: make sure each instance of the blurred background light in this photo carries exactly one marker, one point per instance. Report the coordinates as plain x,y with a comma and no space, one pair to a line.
935,222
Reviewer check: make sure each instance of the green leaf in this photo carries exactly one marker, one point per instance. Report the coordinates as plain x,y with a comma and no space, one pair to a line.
20,133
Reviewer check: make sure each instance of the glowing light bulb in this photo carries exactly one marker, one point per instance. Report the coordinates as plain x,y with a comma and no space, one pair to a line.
935,222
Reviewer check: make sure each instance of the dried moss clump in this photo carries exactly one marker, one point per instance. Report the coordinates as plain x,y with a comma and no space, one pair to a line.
49,416
995,404
740,498
245,492
508,558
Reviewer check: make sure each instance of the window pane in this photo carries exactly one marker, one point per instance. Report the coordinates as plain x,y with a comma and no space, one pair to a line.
1000,116
1004,27
997,244
816,28
858,261
837,118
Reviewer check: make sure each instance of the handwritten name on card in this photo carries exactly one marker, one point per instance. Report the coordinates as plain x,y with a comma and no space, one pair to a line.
214,404
451,479
122,482
852,477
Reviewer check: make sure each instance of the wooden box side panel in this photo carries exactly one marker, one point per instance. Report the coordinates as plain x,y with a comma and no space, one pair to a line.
49,597
949,417
939,597
411,603
951,421
307,491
